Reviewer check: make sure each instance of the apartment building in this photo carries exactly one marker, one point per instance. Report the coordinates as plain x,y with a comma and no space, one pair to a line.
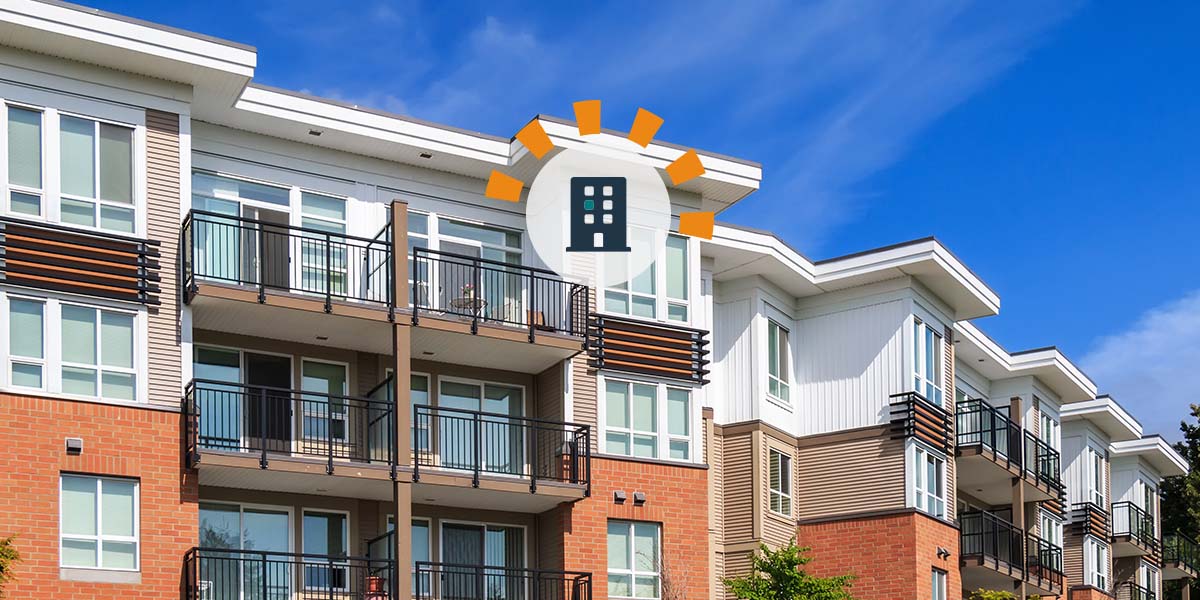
265,345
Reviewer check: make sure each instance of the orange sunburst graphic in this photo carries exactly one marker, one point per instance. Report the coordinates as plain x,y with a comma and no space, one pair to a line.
533,136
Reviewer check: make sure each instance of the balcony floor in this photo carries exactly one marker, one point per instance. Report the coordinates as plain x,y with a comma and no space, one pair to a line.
448,338
446,487
300,475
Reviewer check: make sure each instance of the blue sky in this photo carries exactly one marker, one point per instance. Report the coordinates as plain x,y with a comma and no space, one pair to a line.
1051,145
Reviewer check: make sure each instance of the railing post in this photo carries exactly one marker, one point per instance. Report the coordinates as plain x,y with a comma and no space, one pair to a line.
260,265
328,275
264,575
476,299
478,444
416,447
533,460
329,433
416,261
262,426
531,309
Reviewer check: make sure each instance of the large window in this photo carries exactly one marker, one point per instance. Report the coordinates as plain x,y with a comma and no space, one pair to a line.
634,560
662,290
927,361
780,482
1095,563
61,346
25,190
1048,430
778,362
1148,577
937,585
1050,528
929,481
637,414
326,534
1096,477
99,522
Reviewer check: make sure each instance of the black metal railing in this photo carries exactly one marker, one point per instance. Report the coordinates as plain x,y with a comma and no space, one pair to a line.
912,416
986,535
981,424
1088,518
446,581
1042,462
1182,550
490,291
277,256
1044,561
263,420
498,444
1131,520
223,574
1132,591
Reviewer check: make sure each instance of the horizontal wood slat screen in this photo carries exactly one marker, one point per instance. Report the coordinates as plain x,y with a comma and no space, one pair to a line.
914,416
660,350
52,257
1089,519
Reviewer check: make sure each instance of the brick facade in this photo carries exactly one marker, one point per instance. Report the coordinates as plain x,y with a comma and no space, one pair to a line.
1087,592
892,556
117,441
676,498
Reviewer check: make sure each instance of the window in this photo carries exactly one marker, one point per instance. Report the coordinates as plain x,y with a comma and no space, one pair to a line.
636,413
662,290
1095,563
326,534
929,476
1148,578
320,257
927,361
421,552
780,467
1094,462
1050,529
777,361
97,353
324,410
634,563
1048,430
937,585
99,523
419,396
27,345
96,174
25,161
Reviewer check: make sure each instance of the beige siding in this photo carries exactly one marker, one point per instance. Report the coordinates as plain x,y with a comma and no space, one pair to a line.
162,218
583,397
1073,558
736,564
850,476
716,473
777,530
549,401
739,488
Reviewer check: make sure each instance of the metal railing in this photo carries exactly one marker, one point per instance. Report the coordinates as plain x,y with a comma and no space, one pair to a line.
446,581
1130,519
1042,461
257,419
1181,549
266,255
980,423
987,535
912,416
1132,591
498,444
1044,561
489,291
223,574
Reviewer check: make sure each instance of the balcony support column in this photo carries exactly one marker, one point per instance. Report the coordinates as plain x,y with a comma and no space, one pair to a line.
399,222
402,578
1015,414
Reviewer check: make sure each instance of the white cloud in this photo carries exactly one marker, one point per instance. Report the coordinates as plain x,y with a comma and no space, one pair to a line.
1153,367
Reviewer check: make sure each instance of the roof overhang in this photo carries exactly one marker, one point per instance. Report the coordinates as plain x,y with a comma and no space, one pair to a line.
1105,413
1156,452
740,252
982,353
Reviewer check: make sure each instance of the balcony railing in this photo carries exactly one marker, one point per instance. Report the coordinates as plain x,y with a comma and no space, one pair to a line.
1182,550
223,574
988,536
912,416
1131,520
263,420
277,256
1132,591
497,444
1044,561
981,424
1088,518
445,581
489,291
1042,462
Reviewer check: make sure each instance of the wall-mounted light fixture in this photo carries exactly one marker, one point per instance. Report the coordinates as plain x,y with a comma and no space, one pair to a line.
639,498
619,496
74,446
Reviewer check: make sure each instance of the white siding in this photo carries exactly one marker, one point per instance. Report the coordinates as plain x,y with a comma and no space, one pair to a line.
733,400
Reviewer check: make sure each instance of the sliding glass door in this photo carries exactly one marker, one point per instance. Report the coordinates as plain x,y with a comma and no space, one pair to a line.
500,438
251,574
467,547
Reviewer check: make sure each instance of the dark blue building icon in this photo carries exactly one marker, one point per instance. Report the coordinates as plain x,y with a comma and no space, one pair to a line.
598,215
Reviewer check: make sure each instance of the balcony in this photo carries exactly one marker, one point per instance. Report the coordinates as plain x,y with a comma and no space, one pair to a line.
223,574
992,450
912,416
266,279
992,551
448,581
267,438
479,459
1181,557
1043,565
1088,518
487,313
1132,591
1133,531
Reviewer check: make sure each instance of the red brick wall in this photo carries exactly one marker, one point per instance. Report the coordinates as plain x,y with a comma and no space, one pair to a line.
1087,592
117,441
676,497
892,556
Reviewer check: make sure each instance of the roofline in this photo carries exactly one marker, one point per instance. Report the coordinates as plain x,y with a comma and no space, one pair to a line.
1106,403
1152,443
150,24
562,121
1058,353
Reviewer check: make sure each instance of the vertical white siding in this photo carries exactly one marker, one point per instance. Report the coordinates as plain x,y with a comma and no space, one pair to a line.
849,363
733,348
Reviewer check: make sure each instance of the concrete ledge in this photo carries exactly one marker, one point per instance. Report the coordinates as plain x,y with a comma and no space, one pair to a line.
99,576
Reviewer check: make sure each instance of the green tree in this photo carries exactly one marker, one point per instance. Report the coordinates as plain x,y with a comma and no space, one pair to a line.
8,562
992,595
1181,495
777,575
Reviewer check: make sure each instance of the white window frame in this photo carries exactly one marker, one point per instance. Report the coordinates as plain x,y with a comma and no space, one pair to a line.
661,301
52,361
1050,528
1049,429
307,410
1149,578
782,493
1095,477
1095,562
53,106
920,493
919,346
937,584
633,572
662,435
97,201
100,536
344,565
784,366
40,191
428,586
43,362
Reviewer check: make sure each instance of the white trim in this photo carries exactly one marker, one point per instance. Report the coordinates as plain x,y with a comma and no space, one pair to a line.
344,565
661,434
631,555
783,494
100,536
